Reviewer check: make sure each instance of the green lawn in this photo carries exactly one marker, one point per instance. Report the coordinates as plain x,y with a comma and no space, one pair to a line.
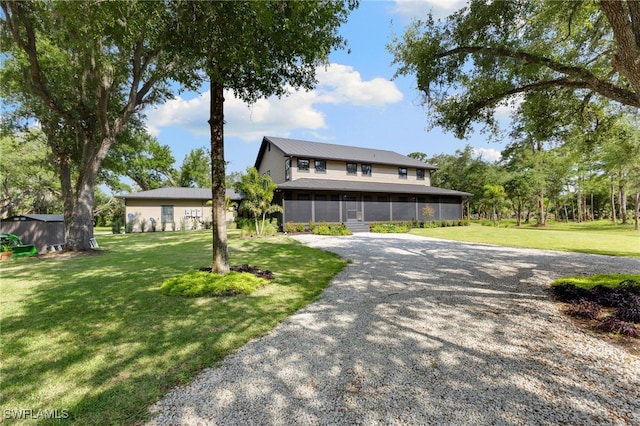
590,237
94,336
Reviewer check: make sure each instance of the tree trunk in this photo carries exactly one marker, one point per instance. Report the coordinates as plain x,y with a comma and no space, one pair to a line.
216,123
636,199
622,200
541,214
613,203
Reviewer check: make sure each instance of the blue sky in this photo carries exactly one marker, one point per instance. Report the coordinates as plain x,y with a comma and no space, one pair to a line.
357,102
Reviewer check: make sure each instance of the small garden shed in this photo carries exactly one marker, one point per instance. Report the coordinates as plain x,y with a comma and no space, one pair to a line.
41,230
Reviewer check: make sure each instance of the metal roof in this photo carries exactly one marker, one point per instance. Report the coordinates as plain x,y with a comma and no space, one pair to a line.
178,194
327,151
37,217
345,185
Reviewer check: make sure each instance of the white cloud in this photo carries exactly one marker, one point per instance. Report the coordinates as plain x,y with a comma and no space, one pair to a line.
342,84
509,106
418,9
487,154
337,84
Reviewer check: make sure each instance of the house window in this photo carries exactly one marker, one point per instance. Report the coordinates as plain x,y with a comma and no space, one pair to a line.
402,172
366,169
352,168
167,214
420,174
303,164
287,169
321,166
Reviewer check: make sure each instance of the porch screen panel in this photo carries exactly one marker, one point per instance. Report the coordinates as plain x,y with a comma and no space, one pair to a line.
327,208
450,208
428,202
376,209
404,209
299,209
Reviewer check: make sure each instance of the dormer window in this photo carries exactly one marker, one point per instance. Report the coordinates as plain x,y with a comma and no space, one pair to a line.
352,168
402,172
303,164
420,174
366,169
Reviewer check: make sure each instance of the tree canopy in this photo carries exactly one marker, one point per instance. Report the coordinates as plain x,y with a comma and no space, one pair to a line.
83,70
489,53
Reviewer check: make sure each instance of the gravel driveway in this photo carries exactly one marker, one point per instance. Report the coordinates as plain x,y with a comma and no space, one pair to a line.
424,331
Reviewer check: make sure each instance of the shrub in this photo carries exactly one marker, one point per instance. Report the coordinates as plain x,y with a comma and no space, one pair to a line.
312,226
289,227
198,284
246,226
613,324
270,227
629,310
331,229
569,292
585,309
300,227
116,226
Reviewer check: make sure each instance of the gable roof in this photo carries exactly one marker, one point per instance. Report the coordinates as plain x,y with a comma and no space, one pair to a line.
178,194
347,185
328,151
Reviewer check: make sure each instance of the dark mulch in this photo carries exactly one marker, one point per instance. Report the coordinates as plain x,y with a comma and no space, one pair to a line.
266,274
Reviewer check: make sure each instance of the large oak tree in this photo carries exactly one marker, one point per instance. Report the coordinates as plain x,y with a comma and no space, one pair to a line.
488,52
83,69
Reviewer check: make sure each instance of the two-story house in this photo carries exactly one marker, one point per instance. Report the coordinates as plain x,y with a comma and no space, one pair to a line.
336,183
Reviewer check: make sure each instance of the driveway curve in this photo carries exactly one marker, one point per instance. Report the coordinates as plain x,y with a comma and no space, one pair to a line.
424,331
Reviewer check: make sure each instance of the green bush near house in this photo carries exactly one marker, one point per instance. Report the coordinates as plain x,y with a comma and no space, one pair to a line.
331,229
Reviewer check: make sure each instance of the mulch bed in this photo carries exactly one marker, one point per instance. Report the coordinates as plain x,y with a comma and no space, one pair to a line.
266,274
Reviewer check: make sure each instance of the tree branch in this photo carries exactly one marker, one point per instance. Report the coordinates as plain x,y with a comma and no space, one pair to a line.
580,77
16,18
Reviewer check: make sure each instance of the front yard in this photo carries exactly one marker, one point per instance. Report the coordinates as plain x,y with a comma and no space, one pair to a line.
91,339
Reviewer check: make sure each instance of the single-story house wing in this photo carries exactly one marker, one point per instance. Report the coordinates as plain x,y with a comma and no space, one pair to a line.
171,209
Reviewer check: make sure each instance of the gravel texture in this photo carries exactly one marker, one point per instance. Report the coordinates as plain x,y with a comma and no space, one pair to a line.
424,331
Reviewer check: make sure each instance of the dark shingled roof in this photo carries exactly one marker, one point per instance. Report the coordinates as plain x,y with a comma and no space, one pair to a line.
345,185
38,217
327,151
178,194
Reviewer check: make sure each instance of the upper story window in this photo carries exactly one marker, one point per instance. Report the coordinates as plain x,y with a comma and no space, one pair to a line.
303,164
420,174
287,169
402,172
352,168
321,166
366,169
